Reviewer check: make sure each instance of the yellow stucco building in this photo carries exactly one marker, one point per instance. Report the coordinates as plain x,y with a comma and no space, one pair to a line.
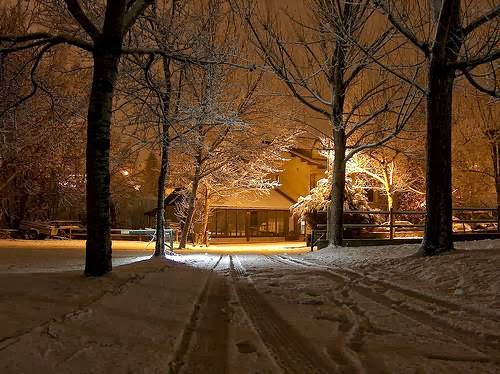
251,216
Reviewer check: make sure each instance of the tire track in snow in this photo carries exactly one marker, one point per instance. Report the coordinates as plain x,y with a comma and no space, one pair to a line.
345,346
487,344
383,286
291,352
195,322
351,274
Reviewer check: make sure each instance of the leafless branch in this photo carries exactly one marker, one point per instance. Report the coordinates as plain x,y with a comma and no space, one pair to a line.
78,13
491,92
481,20
424,47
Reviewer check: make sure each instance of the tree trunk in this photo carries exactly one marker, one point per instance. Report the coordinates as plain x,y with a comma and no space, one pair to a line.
336,213
335,224
112,212
436,8
162,177
98,249
495,155
390,200
206,216
388,188
160,202
190,212
438,225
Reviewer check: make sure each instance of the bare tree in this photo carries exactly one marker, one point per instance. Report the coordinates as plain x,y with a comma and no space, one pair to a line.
455,38
41,139
328,73
207,145
256,157
229,144
490,129
172,106
106,45
154,87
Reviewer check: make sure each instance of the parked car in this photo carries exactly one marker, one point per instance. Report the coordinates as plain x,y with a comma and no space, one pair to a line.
64,228
47,229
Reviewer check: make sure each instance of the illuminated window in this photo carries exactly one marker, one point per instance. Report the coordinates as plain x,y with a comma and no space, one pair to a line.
241,223
231,222
259,223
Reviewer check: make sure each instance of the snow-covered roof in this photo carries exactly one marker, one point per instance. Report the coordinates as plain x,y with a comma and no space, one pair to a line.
255,200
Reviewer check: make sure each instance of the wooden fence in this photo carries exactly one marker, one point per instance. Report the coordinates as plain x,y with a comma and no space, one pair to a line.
411,223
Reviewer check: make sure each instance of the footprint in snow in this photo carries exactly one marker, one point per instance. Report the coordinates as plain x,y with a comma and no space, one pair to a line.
246,347
311,302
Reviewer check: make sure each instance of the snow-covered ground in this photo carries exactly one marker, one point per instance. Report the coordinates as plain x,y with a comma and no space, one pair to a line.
271,309
468,276
36,256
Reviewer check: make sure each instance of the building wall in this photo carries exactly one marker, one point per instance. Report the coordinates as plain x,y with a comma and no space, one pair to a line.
297,177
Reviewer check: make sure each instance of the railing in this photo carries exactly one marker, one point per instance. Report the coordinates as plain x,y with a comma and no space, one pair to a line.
116,234
318,234
392,226
169,235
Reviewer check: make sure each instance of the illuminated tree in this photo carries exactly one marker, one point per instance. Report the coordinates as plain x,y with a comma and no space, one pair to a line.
220,140
329,75
256,157
391,169
318,200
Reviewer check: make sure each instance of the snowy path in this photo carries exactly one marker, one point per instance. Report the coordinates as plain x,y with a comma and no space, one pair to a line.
332,319
288,348
328,312
210,321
